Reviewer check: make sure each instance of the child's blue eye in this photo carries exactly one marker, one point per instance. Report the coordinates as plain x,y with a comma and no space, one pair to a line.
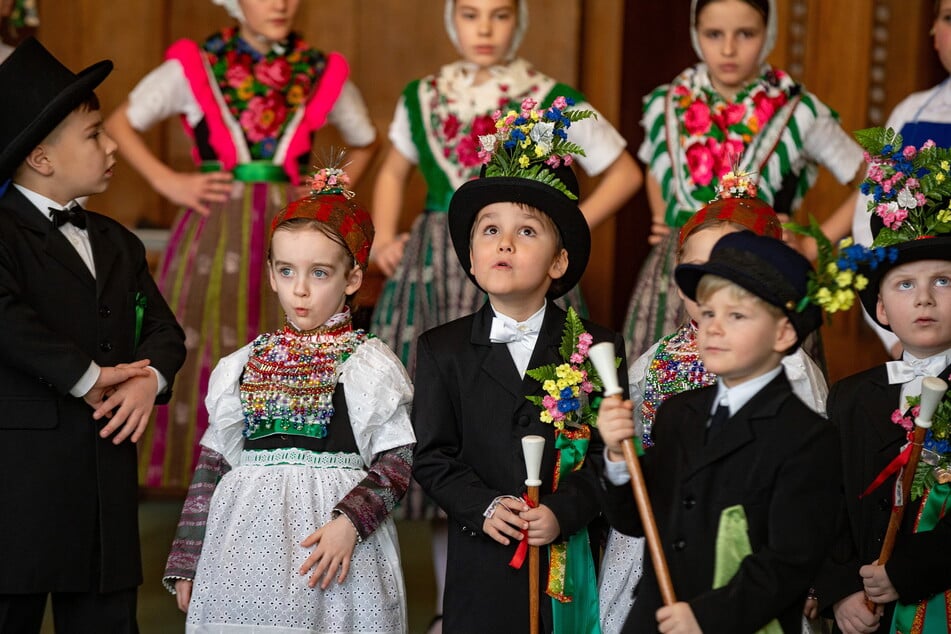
905,285
942,281
320,273
285,271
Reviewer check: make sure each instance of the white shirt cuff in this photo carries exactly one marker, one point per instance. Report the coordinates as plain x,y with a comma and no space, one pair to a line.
162,383
86,381
615,471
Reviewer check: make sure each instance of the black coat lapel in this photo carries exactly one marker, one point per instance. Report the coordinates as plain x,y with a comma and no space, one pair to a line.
546,346
497,362
104,252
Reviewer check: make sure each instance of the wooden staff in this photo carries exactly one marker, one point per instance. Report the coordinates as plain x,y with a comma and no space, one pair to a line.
532,448
602,356
932,389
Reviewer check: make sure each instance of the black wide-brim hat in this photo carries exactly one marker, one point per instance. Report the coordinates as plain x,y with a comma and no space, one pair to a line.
39,93
925,248
476,194
766,267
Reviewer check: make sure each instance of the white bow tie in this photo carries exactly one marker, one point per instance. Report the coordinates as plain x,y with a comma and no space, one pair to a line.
904,371
505,331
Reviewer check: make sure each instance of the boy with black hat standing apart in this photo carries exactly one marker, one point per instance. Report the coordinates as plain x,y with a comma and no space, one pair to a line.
735,465
482,384
88,346
909,293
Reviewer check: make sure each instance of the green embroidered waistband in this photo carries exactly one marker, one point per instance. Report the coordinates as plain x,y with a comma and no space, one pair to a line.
302,457
253,172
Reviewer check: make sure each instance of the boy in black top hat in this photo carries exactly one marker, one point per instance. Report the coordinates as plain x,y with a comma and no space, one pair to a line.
88,345
742,474
909,293
520,234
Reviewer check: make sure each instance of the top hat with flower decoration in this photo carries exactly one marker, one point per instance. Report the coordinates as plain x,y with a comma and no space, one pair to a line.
332,203
909,197
528,161
41,92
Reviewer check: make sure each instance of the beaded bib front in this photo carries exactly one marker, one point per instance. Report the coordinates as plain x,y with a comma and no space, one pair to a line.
290,378
675,368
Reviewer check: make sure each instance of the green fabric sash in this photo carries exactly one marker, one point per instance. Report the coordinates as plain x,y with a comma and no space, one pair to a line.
140,305
572,582
253,172
733,546
931,616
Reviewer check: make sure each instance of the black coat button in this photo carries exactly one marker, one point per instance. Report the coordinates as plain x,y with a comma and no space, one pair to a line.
104,311
689,502
524,420
105,346
885,504
680,544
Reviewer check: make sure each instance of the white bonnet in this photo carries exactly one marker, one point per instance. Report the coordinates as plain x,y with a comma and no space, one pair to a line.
234,9
768,44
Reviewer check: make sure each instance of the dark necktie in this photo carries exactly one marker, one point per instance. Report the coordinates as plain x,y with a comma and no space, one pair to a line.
75,216
718,421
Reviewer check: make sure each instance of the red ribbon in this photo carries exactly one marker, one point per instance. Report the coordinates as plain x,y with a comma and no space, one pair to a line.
893,467
522,551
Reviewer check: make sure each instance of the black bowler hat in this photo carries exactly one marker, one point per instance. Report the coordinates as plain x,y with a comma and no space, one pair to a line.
766,267
39,92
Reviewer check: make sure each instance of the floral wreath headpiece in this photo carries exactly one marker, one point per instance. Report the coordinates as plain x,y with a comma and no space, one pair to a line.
331,203
736,202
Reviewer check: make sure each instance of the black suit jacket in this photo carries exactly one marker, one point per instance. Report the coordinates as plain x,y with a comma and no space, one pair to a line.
920,566
68,503
776,458
470,413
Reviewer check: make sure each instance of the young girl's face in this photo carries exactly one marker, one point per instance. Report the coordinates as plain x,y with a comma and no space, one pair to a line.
942,34
914,300
485,29
267,21
312,276
696,250
731,34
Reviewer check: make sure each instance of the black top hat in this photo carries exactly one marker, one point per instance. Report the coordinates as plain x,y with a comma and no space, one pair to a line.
39,93
766,267
564,212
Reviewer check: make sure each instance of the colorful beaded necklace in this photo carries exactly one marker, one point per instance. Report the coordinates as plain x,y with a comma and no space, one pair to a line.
676,367
290,378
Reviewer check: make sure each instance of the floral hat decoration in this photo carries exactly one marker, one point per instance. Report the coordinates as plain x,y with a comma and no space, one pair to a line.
736,202
909,197
331,203
528,161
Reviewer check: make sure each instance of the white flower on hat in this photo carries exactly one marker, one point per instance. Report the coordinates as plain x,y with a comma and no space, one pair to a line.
907,199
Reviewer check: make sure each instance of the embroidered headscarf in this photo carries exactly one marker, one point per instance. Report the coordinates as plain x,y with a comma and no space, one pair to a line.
768,43
520,27
233,8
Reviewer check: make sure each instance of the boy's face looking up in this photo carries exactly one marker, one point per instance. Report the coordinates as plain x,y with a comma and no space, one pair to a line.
739,338
516,253
76,159
914,300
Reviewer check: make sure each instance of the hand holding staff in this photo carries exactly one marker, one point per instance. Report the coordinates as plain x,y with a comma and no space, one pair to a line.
932,390
532,448
602,356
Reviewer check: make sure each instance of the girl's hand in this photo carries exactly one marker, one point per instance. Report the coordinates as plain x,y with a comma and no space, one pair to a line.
615,424
659,231
335,542
183,593
677,619
196,190
388,255
543,526
505,521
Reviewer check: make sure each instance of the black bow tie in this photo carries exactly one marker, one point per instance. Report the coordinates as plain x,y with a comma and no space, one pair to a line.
75,215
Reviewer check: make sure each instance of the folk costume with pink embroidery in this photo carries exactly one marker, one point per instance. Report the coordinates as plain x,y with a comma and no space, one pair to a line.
254,115
773,127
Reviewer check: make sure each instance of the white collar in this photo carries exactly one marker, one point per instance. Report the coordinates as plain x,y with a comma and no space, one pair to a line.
739,395
41,202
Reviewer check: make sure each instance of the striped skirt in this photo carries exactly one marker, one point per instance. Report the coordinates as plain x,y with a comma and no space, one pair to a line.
213,275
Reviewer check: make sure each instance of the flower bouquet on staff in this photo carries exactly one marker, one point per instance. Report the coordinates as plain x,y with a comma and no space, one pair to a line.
935,464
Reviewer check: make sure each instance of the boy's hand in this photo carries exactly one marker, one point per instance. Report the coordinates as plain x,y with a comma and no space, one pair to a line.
677,619
505,520
878,587
853,617
183,593
134,399
616,423
543,526
111,376
335,543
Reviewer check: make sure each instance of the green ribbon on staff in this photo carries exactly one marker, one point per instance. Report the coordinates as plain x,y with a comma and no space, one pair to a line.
253,172
931,616
571,578
140,303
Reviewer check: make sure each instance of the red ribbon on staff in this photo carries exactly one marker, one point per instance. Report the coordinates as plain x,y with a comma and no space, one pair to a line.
522,551
893,467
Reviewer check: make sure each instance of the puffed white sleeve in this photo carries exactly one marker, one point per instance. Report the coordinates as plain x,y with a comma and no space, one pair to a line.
601,142
379,395
826,143
806,380
400,134
352,118
161,94
225,415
